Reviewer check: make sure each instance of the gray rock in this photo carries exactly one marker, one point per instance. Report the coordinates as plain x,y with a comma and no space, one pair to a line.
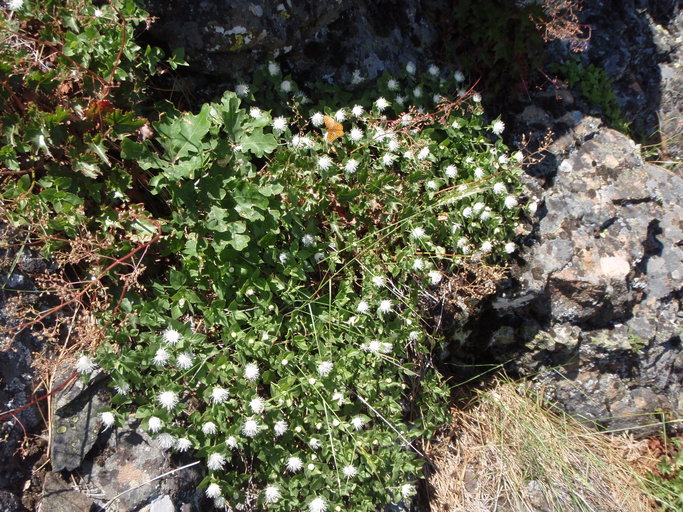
598,307
10,503
76,423
58,496
161,504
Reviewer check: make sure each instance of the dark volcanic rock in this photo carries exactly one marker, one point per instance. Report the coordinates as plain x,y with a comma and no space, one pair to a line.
58,496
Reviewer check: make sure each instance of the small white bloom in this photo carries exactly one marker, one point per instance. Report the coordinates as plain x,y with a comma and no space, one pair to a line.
301,141
123,388
467,212
479,173
338,397
417,92
385,348
310,467
356,78
286,86
414,335
455,125
388,159
410,68
97,13
408,155
392,84
161,357
317,119
499,188
385,306
250,428
435,276
498,127
381,103
213,491
451,171
459,76
378,281
314,443
257,405
502,159
15,5
308,240
518,156
165,441
273,68
486,247
356,134
433,70
340,115
209,428
184,361
271,494
294,464
417,233
351,166
108,419
311,381
335,422
168,400
317,505
241,90
283,257
363,307
219,395
407,490
418,264
533,206
478,206
393,145
349,471
220,503
251,372
400,100
510,202
255,112
85,365
486,214
325,368
423,154
373,347
216,461
280,124
357,422
183,444
476,97
431,185
357,110
154,424
510,247
231,442
280,428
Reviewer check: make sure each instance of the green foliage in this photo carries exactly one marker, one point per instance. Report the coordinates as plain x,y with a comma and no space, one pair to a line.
595,86
667,484
279,335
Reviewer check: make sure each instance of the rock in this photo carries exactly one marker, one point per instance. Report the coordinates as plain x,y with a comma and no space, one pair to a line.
131,458
58,496
161,504
76,424
10,503
597,303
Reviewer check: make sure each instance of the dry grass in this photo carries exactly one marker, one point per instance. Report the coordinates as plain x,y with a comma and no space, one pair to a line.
510,453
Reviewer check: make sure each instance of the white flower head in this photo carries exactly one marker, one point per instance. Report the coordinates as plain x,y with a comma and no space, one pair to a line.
351,166
314,443
317,505
363,307
280,428
251,372
467,212
283,257
379,281
161,357
392,84
433,70
257,405
273,68
241,90
219,395
518,156
503,159
356,134
478,207
510,247
340,115
435,276
459,76
410,68
479,173
154,424
418,264
15,5
255,112
399,99
338,397
417,92
165,441
183,444
498,127
486,247
280,124
231,442
407,490
308,240
85,365
213,491
499,188
510,202
108,419
216,461
122,388
431,185
393,145
357,422
373,347
301,141
385,306
418,233
388,159
250,428
294,464
168,400
184,361
455,125
349,471
357,110
476,97
209,428
451,171
381,103
324,162
318,119
286,86
171,336
271,494
325,368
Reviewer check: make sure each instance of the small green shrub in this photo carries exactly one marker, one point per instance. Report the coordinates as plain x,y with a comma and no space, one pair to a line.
667,485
